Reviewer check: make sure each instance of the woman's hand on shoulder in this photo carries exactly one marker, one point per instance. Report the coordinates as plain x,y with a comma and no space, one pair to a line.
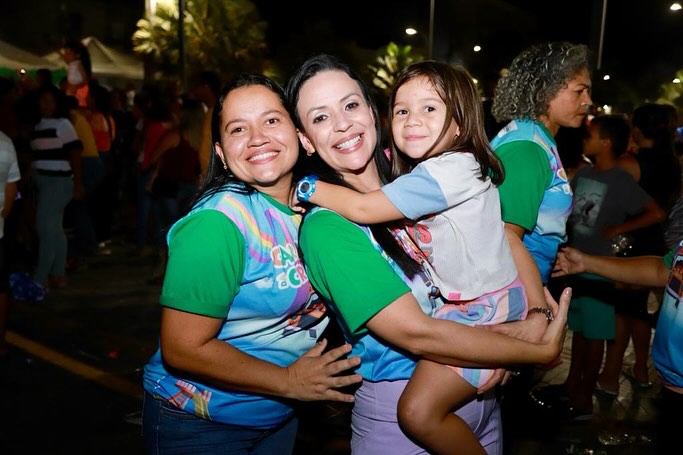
316,376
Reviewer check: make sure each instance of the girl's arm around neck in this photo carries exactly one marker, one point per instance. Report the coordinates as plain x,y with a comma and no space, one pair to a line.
363,208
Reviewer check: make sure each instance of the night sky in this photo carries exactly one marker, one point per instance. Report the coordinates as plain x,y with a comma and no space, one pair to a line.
643,39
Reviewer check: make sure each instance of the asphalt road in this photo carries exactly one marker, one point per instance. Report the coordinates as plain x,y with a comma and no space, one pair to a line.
72,381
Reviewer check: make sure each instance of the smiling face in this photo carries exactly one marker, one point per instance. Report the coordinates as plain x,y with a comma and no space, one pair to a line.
418,117
338,122
570,105
258,141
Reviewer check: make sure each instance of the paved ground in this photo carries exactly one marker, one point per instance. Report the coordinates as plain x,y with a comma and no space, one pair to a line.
72,382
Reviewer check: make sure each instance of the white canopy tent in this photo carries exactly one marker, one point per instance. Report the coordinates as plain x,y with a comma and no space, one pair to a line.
107,63
13,58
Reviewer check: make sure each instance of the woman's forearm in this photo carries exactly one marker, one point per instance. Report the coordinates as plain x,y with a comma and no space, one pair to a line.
640,270
215,361
402,323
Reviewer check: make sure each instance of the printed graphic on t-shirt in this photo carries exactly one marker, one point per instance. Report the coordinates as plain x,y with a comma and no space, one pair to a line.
423,237
307,317
588,199
286,257
675,284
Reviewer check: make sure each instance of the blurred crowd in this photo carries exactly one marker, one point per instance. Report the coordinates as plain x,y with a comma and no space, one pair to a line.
97,161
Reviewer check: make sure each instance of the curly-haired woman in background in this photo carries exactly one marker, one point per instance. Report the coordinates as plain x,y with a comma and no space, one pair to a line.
547,87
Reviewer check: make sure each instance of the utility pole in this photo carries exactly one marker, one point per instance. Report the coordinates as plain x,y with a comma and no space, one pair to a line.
431,28
181,44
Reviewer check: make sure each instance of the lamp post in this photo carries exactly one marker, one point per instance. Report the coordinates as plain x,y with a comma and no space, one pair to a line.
602,33
431,29
181,44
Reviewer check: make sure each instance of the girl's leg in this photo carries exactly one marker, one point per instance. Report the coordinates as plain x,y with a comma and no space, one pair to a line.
425,410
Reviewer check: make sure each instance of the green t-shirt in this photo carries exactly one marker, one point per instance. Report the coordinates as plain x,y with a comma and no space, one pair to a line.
197,246
527,176
346,269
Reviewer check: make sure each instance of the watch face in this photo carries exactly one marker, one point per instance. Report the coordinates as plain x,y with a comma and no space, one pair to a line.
304,186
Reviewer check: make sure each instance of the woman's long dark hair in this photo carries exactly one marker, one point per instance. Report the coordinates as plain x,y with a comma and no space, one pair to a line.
216,176
316,166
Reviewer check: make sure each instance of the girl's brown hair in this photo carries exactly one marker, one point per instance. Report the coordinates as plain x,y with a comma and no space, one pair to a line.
456,88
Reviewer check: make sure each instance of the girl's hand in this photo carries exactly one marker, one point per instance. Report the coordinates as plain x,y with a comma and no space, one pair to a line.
295,204
500,376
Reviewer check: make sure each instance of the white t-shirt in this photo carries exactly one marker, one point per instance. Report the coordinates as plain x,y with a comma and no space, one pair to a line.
72,74
50,141
465,238
9,171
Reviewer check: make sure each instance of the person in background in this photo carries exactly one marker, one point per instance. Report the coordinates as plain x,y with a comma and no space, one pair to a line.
370,275
56,170
156,120
446,178
547,86
78,71
44,77
241,325
608,203
92,170
9,176
667,348
175,163
570,148
206,90
105,132
655,167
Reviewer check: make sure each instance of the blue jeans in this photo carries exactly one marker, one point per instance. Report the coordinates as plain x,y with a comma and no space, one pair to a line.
54,193
86,240
169,430
145,212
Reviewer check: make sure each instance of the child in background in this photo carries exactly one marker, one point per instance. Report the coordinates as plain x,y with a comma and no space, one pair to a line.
446,180
605,196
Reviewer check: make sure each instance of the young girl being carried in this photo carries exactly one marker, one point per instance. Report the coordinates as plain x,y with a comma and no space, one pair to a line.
446,177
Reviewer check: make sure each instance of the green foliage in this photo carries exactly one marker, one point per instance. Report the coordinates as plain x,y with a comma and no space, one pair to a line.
227,36
390,60
673,93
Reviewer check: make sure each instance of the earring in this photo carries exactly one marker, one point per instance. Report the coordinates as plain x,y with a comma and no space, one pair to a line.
310,153
225,166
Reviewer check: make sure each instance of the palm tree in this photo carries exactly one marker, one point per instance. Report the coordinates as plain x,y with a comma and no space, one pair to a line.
673,92
227,36
390,60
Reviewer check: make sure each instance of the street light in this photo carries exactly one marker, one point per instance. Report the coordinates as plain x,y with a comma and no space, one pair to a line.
431,27
675,6
430,42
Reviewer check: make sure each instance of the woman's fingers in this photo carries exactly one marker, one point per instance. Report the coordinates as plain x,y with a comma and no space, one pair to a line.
316,375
